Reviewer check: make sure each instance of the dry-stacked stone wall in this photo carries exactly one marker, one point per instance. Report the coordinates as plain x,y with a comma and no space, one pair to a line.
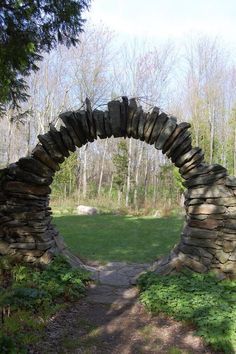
208,240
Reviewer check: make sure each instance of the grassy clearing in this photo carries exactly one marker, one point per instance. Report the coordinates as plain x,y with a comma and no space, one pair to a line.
196,298
119,238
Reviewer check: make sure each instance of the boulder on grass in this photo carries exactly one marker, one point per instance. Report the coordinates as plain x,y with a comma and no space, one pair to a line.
86,210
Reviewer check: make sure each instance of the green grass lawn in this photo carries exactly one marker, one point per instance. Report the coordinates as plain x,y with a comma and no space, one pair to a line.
201,299
119,238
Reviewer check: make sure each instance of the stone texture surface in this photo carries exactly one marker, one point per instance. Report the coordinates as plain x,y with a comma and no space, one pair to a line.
135,123
57,138
81,118
70,124
33,165
98,117
114,281
181,160
204,179
131,110
51,147
150,123
208,240
107,124
141,125
178,130
115,118
16,172
67,140
124,109
89,116
166,132
195,161
182,148
86,210
159,125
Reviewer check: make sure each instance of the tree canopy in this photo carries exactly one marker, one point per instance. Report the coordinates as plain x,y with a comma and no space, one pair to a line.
27,29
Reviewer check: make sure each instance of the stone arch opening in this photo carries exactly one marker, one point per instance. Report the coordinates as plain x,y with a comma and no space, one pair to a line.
208,239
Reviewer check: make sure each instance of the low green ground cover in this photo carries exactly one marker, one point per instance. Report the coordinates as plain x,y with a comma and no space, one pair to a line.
119,238
29,296
200,299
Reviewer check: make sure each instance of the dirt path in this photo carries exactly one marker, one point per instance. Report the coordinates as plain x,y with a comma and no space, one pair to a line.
111,320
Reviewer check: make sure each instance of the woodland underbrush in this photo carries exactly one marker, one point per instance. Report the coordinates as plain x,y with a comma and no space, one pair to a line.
30,296
199,299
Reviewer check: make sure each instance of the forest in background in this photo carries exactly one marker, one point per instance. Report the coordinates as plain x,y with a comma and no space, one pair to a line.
195,82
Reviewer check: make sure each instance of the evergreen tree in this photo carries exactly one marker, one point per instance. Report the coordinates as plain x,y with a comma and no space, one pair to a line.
27,29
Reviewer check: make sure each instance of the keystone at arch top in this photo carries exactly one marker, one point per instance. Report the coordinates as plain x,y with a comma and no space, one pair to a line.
208,239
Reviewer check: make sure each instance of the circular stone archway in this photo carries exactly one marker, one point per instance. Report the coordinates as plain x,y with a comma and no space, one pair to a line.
208,240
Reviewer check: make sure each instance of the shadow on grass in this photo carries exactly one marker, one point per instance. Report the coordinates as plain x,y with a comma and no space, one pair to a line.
124,327
119,238
200,299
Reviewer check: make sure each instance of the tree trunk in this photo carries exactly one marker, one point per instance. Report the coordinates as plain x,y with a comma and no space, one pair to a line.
119,198
102,167
235,151
111,185
146,178
128,174
154,184
137,176
212,135
85,173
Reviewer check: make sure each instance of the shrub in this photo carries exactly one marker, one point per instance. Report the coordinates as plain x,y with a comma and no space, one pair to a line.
8,346
32,295
197,298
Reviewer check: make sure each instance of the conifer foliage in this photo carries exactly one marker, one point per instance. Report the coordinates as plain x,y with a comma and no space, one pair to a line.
27,29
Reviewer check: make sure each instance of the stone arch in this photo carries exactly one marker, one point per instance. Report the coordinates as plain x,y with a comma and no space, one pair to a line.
208,240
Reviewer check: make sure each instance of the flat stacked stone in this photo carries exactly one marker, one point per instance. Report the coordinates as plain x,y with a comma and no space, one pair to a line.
50,146
209,208
67,140
78,128
181,139
159,125
39,153
194,162
17,173
124,111
70,123
184,146
204,179
149,125
186,157
81,118
167,130
107,124
135,123
130,111
57,138
203,169
141,124
33,165
208,240
170,141
99,123
114,109
90,122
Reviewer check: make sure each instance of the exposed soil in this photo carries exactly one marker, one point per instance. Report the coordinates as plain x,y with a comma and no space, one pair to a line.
111,320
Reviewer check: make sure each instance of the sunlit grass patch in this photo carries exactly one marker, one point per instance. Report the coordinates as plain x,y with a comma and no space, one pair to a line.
197,298
119,238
